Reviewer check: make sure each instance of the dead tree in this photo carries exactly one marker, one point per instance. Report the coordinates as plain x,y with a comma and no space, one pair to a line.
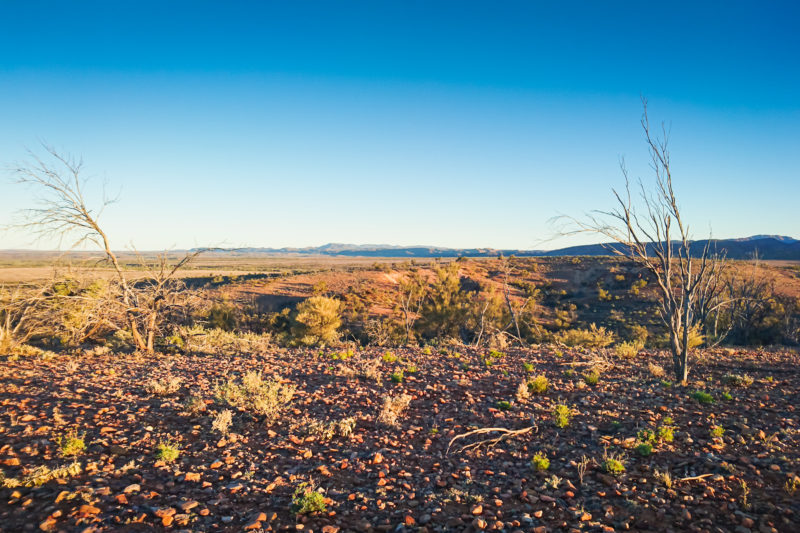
650,230
64,214
19,316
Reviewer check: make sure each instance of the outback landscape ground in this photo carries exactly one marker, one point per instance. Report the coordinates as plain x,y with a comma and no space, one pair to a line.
233,431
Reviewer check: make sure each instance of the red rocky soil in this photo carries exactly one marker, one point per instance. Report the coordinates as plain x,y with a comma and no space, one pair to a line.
384,478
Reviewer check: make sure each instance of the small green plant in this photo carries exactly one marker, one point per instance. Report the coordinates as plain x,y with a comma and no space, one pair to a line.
592,378
306,500
646,436
540,462
561,415
613,464
427,350
666,433
167,451
412,369
538,384
397,377
666,383
644,449
504,405
702,397
559,354
389,357
727,396
528,367
71,444
716,431
628,349
769,379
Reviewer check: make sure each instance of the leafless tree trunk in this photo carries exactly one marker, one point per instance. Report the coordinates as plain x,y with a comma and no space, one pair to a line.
64,214
653,233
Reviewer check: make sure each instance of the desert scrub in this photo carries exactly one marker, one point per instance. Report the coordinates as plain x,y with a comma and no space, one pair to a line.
194,404
165,386
306,500
167,451
220,342
716,431
393,407
222,422
397,377
264,397
504,405
628,349
71,444
702,397
326,431
665,431
592,378
389,357
540,462
41,475
593,337
561,415
737,380
538,384
317,321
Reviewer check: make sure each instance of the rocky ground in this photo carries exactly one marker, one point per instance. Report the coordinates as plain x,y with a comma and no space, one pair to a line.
731,466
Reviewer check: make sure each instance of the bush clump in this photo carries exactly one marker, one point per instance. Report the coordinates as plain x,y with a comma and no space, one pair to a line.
540,462
702,397
561,415
538,384
306,500
317,321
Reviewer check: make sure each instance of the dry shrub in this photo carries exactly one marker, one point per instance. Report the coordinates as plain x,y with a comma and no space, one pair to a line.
393,407
221,342
326,431
593,337
254,394
656,371
222,422
737,380
369,370
163,387
522,391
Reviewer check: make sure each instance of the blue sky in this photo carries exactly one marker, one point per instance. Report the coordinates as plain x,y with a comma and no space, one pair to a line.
442,123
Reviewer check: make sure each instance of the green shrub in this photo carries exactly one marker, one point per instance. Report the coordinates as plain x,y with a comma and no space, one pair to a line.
716,431
644,449
317,321
593,337
538,384
222,316
540,462
666,433
397,377
504,405
389,357
528,367
306,500
561,415
646,435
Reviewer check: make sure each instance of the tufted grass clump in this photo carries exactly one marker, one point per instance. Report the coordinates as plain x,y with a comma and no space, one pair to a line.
167,451
737,380
538,384
527,367
592,378
561,415
628,349
613,464
702,397
540,462
71,444
397,377
165,386
389,357
393,407
594,337
504,405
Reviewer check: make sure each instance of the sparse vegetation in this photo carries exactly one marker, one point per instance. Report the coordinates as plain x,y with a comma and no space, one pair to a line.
167,451
540,462
252,393
561,415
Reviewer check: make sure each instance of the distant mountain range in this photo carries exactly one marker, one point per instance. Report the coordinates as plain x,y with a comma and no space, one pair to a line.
765,246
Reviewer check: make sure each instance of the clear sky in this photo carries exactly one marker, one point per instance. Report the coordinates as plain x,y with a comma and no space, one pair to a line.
464,124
